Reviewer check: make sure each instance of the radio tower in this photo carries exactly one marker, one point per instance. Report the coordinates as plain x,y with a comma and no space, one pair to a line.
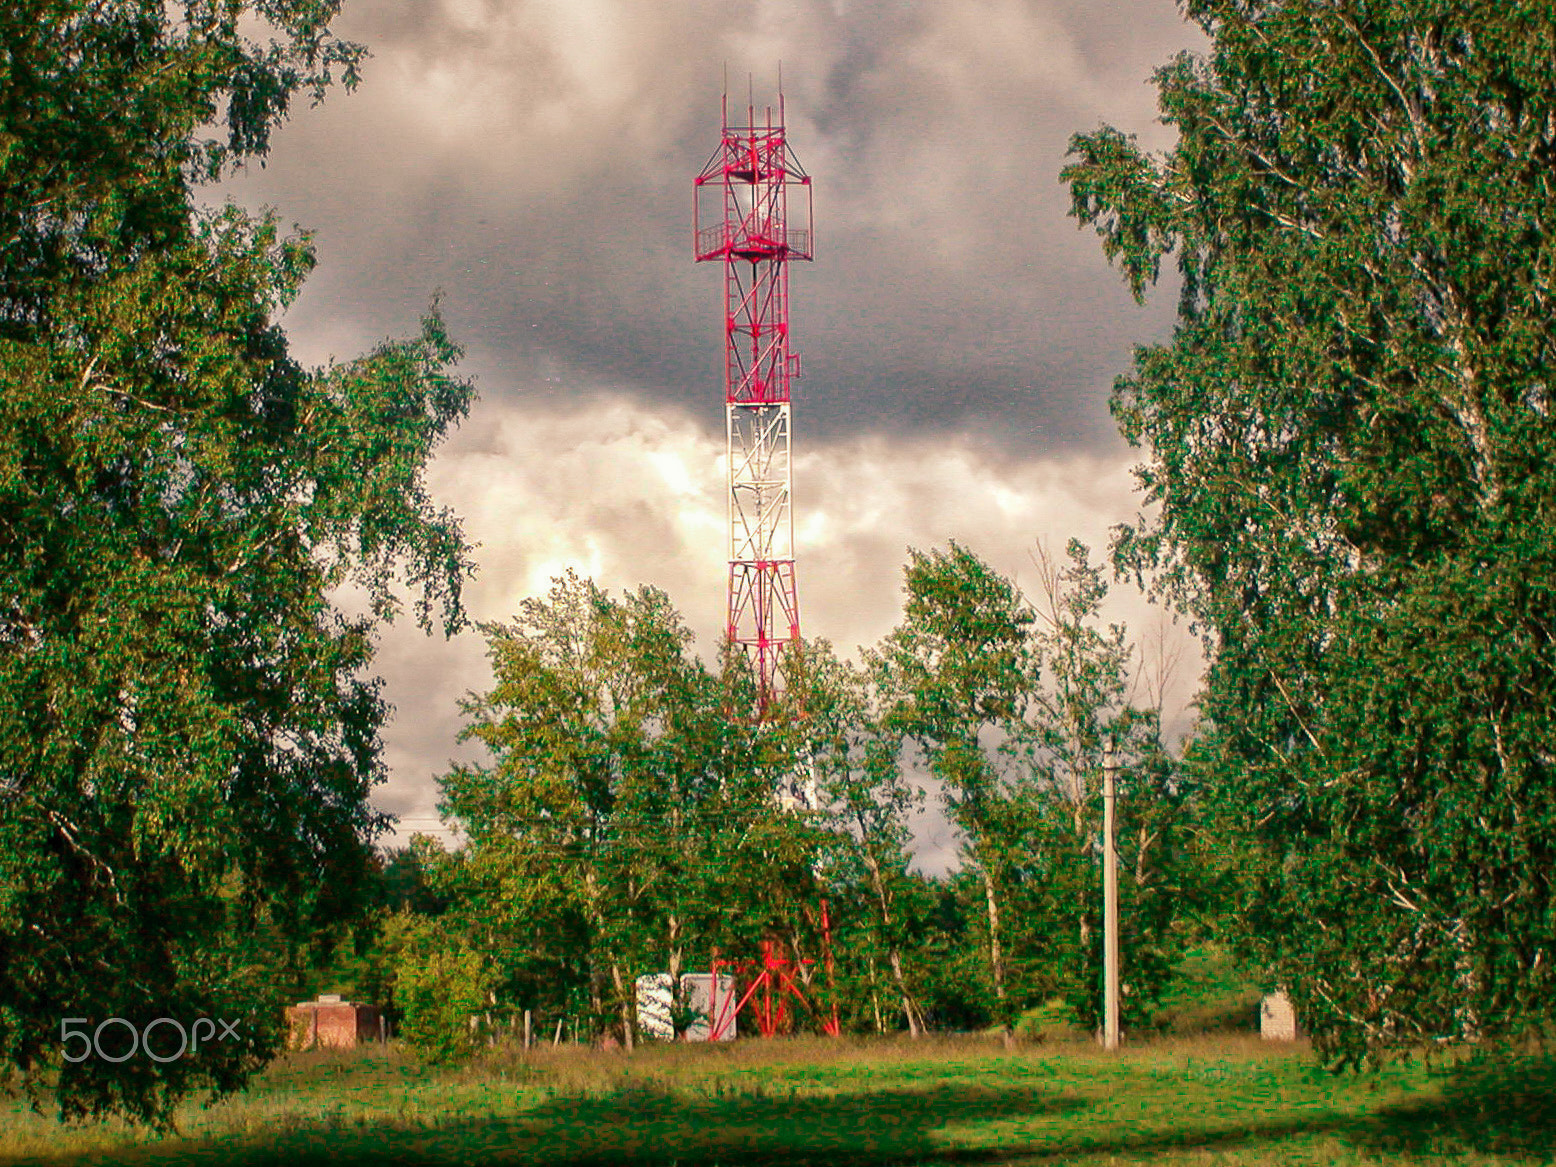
743,197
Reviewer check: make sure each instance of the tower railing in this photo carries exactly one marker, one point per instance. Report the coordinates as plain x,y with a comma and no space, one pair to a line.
793,242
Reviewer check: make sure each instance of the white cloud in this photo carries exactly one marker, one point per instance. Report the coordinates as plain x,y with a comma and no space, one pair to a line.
627,496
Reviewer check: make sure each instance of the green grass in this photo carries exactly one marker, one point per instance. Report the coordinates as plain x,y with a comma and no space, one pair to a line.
1225,1101
1209,994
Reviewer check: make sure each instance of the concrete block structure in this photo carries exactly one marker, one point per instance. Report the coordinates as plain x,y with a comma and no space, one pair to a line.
331,1023
698,993
654,1006
1278,1019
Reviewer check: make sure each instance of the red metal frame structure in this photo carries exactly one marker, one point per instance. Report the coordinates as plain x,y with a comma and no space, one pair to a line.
774,979
830,1025
741,218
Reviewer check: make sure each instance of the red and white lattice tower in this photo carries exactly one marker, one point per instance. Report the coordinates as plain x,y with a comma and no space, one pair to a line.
741,218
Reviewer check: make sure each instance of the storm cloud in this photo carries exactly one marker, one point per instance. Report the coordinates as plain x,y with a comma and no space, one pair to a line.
533,161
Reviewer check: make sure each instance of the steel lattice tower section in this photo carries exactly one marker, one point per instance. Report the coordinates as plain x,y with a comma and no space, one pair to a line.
741,217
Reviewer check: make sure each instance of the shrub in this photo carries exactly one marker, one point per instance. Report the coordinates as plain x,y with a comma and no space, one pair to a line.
439,985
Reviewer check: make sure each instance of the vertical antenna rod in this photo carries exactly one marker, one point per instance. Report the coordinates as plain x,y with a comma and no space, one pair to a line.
742,210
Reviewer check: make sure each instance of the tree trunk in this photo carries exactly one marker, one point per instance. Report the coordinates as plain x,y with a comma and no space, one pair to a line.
910,1008
676,957
1078,786
626,1007
875,1001
1147,840
1468,1013
996,957
596,994
806,973
677,951
595,949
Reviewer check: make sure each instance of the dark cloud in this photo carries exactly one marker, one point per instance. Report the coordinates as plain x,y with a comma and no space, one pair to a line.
533,159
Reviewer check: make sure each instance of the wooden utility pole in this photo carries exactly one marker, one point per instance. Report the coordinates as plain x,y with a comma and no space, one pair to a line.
1110,1001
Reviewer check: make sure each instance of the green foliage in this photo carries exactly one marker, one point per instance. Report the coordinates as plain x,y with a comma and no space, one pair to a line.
627,823
187,741
626,815
1087,698
1209,992
951,950
1012,706
405,880
956,675
863,803
361,966
1349,443
440,983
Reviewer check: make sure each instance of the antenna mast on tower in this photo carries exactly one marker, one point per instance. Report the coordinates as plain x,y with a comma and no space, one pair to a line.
741,217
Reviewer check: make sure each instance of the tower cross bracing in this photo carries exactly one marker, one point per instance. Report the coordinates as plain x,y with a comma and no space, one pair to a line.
741,218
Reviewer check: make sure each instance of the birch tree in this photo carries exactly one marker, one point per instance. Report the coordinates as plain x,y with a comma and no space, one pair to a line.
957,671
188,733
1349,441
1092,692
866,799
627,821
585,689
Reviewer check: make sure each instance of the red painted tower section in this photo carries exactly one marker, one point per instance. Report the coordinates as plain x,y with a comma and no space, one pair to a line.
742,219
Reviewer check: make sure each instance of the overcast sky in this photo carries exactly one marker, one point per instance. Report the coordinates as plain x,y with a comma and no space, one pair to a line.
533,159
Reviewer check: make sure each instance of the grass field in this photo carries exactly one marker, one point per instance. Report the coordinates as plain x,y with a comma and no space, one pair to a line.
1226,1100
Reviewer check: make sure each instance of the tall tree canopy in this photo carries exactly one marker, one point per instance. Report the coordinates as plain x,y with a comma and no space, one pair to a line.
1087,697
186,740
627,823
1012,707
957,673
865,799
1350,440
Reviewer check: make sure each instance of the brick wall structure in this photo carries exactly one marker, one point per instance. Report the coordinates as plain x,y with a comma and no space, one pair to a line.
330,1023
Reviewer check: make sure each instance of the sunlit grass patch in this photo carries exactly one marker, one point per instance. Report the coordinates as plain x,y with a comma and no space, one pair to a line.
1215,1099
